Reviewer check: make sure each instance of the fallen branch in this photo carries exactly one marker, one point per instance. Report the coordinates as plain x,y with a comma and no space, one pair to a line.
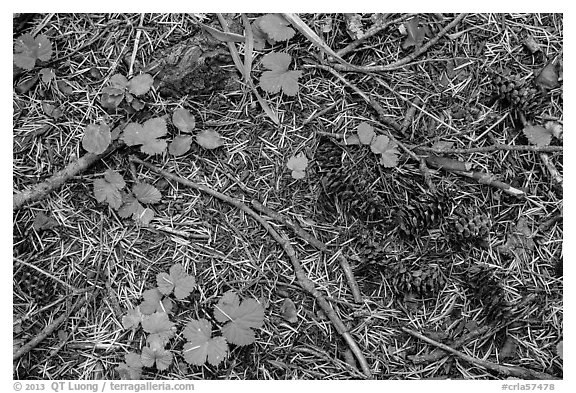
370,33
40,191
438,354
496,147
24,349
463,169
514,371
310,239
404,61
556,176
303,280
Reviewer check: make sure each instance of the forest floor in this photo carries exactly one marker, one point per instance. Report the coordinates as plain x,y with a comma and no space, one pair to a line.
468,257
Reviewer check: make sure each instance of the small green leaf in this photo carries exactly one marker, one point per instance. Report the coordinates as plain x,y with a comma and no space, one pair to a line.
108,189
47,74
298,165
276,27
241,318
365,133
201,346
156,356
538,135
146,193
132,369
387,149
153,302
29,49
140,84
288,311
279,78
132,318
178,281
209,139
183,120
415,34
180,145
548,77
147,135
96,138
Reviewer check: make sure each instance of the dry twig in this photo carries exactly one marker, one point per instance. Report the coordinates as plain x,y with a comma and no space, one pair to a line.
404,61
518,372
23,350
310,239
42,190
303,280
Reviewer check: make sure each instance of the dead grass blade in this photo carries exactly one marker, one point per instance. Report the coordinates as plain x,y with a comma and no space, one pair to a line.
238,62
303,28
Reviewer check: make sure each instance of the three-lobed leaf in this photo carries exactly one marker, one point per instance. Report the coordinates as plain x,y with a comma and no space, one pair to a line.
201,346
158,356
241,318
132,318
96,138
28,49
132,368
147,135
178,281
387,149
153,302
538,135
279,77
276,27
108,189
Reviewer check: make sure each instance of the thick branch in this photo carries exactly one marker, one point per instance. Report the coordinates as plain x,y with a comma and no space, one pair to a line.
42,190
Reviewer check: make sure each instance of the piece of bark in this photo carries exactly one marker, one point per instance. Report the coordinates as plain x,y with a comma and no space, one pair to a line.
193,66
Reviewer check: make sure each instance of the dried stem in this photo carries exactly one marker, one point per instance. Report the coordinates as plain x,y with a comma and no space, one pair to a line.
310,239
404,61
518,372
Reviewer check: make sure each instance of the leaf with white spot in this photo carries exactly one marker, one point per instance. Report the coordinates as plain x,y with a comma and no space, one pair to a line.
28,49
241,318
178,281
201,346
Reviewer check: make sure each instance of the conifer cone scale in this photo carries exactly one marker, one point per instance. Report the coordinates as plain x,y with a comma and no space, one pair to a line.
36,285
516,93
